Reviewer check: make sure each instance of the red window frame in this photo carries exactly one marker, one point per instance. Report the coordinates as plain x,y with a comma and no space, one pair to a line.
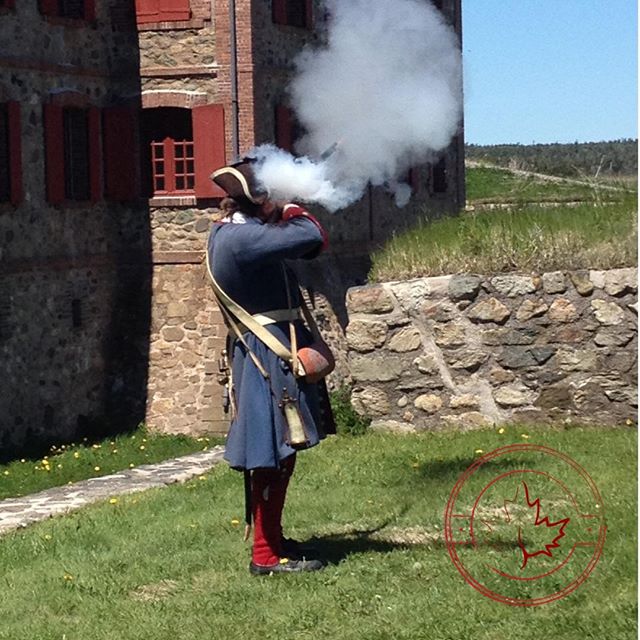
282,12
173,167
13,159
54,138
184,167
51,8
149,11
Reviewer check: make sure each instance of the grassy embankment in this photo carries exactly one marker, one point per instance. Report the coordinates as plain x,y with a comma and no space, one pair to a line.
171,563
523,234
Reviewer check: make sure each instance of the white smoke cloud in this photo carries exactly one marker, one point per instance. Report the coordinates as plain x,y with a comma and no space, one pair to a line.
387,86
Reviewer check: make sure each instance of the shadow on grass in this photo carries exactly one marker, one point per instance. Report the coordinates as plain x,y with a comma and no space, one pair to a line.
457,466
334,548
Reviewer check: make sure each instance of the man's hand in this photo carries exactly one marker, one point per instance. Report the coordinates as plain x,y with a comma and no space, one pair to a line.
291,211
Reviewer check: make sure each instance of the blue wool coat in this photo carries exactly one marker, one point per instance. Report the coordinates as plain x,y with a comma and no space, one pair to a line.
246,260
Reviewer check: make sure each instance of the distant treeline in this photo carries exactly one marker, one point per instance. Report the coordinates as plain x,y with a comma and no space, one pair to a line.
585,159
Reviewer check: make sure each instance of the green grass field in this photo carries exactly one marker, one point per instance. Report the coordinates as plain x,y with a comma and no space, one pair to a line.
171,563
500,185
79,461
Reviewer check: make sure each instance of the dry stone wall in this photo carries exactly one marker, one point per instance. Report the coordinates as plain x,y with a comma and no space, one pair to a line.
467,351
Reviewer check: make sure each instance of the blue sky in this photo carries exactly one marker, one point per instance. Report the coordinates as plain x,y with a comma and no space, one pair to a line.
549,70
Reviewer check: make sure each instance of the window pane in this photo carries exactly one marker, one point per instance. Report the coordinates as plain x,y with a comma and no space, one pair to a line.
4,154
72,8
297,13
76,154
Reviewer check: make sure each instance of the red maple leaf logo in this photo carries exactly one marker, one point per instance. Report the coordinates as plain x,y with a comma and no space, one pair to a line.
538,522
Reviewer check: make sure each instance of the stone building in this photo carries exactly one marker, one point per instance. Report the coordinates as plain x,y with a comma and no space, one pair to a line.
112,117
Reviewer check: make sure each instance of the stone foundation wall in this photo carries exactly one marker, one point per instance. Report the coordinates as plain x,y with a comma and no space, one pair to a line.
469,351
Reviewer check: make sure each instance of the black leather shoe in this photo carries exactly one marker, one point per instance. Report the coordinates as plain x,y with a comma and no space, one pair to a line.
296,550
286,565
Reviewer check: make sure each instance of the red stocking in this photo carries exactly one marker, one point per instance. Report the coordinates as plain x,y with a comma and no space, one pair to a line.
268,492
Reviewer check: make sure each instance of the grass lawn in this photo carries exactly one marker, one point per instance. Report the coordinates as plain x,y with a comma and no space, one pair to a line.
171,563
523,238
501,185
79,461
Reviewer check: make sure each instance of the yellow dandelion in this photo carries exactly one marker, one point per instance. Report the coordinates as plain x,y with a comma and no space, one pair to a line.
6,473
96,468
202,478
141,447
76,454
144,439
113,501
22,460
47,536
45,458
501,430
115,451
479,451
629,421
524,435
235,522
68,577
112,442
131,465
206,439
59,466
37,468
204,448
415,465
95,446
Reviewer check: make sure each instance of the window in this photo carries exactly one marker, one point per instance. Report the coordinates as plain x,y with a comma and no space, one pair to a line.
10,153
288,129
180,150
293,13
162,11
75,124
439,177
72,153
71,9
7,4
5,178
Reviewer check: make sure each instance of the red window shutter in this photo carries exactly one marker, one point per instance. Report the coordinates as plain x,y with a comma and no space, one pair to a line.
54,153
280,11
119,147
49,7
173,10
15,152
209,148
89,10
147,11
284,128
95,164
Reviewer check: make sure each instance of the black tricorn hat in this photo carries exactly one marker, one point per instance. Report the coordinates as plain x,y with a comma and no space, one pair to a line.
239,181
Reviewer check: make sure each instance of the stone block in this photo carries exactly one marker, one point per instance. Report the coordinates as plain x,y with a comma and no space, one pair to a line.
555,396
531,309
554,282
607,313
370,401
366,335
172,334
470,359
562,310
408,339
512,286
426,364
392,426
468,421
441,311
428,402
464,287
498,376
513,396
369,299
377,367
505,336
577,359
520,357
582,282
410,294
465,400
613,337
617,282
491,310
450,335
